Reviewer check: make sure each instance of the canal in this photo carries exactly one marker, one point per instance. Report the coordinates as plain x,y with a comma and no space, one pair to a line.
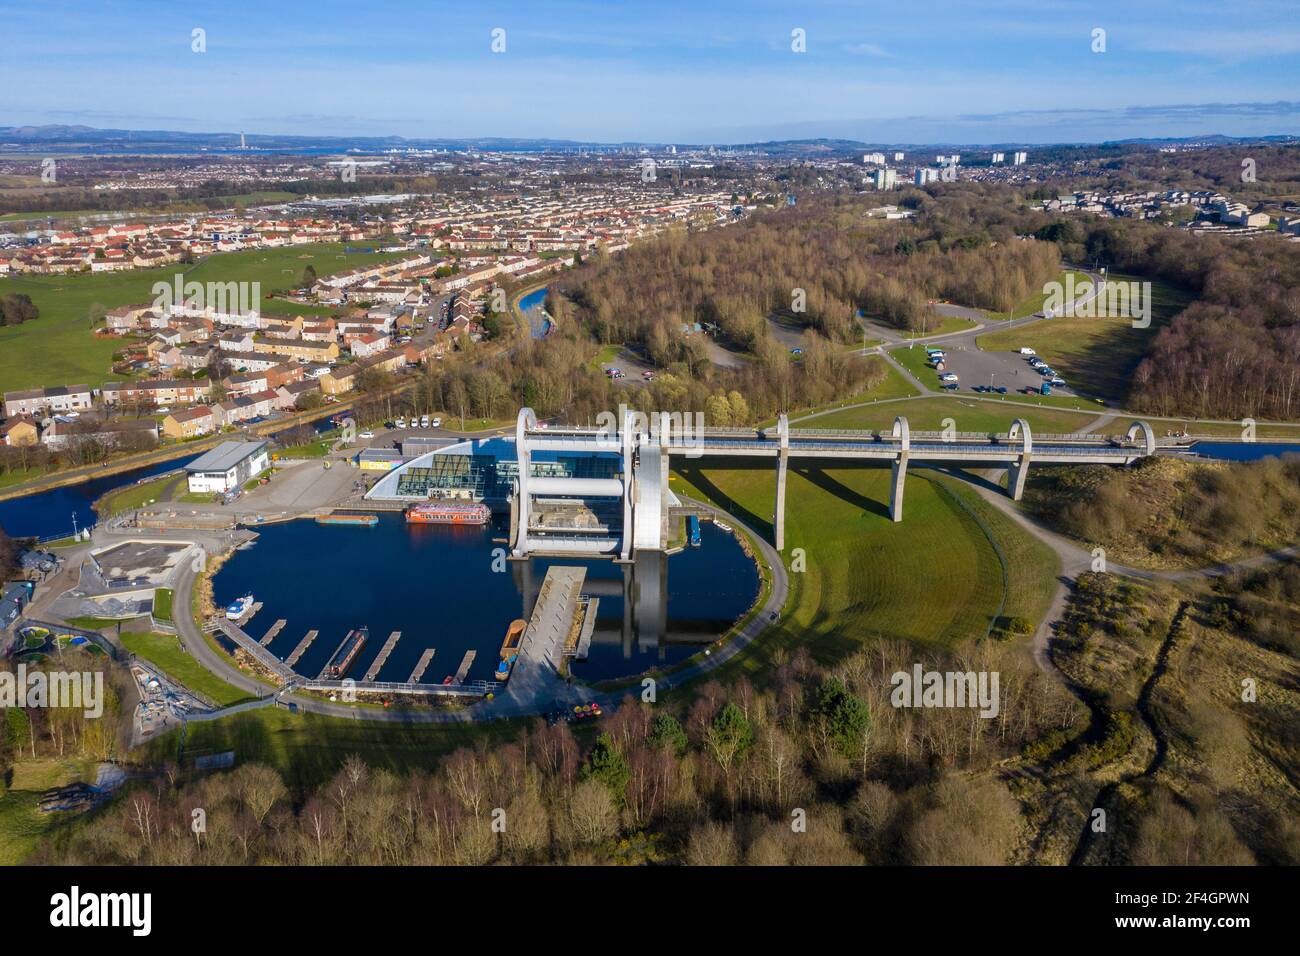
444,588
53,513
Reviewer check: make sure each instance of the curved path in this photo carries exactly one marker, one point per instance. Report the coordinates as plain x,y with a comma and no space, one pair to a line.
193,640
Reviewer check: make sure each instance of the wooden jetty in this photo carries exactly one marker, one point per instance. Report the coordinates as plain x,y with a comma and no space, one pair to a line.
421,666
276,628
301,649
384,651
465,664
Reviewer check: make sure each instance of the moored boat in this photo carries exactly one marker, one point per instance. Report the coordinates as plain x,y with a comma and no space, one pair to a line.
239,607
449,512
346,655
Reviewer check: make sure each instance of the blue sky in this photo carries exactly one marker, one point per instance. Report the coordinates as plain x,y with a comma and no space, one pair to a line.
662,71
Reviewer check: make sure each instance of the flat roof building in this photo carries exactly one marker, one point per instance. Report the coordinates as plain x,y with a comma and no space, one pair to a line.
227,466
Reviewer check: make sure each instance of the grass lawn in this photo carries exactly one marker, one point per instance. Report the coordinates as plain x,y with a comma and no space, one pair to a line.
1097,356
162,604
137,496
606,356
318,448
917,362
308,748
22,826
933,579
1034,303
164,650
17,477
96,623
59,349
951,323
970,414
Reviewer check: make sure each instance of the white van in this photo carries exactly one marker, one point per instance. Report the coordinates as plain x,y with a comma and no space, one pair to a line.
1027,351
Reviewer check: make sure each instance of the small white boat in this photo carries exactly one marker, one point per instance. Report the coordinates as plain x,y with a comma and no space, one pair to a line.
722,526
239,608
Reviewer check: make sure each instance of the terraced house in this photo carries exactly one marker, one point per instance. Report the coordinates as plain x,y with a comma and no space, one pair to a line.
162,391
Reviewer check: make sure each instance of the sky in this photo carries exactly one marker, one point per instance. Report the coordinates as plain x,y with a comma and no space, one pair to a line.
660,71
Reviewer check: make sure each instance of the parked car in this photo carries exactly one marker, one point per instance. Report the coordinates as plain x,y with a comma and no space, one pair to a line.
1027,351
1056,380
401,423
948,377
950,386
1001,389
367,434
424,421
435,423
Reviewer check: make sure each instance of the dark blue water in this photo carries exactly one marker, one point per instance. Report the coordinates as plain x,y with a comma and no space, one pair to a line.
437,586
1244,451
50,513
531,306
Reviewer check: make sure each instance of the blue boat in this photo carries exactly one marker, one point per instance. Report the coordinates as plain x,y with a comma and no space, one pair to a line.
694,524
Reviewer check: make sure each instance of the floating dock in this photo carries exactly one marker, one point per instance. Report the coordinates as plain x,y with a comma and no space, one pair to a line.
584,639
384,651
248,615
301,649
421,666
466,663
368,521
276,628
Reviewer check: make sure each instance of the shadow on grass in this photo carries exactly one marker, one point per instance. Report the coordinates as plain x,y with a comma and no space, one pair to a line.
693,473
833,486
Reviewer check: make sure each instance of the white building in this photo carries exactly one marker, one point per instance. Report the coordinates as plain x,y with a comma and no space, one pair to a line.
874,159
227,467
1019,158
999,158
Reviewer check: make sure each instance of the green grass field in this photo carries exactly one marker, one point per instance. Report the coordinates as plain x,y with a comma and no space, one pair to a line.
308,748
1097,356
22,826
164,651
932,579
970,414
137,496
162,604
1035,302
59,348
951,323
